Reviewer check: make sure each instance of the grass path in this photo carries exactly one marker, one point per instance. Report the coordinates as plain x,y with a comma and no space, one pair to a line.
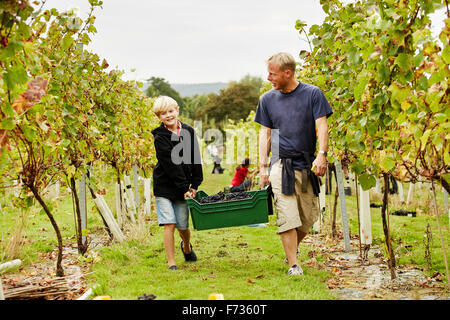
239,262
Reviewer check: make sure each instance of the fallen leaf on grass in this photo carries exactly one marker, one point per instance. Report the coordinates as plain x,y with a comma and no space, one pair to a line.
336,270
250,281
374,295
259,276
437,276
334,283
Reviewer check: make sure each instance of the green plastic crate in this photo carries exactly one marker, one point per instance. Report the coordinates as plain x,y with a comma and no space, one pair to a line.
229,213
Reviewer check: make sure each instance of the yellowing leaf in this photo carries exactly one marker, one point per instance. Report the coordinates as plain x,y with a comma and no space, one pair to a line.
424,139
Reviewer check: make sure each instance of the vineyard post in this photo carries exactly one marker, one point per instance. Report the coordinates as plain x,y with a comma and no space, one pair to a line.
340,183
83,207
147,195
317,225
440,232
129,198
136,189
366,223
118,205
333,215
384,217
77,214
446,205
410,193
57,187
108,217
400,191
378,186
358,214
6,266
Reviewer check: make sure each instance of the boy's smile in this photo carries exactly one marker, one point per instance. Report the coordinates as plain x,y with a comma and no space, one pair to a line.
170,118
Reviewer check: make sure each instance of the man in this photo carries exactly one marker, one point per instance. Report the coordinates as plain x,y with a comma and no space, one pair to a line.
289,115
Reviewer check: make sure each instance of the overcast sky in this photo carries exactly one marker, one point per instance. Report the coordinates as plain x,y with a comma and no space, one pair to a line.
197,40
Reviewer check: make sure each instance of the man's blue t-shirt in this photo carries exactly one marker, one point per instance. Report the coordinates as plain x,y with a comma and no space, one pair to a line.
293,114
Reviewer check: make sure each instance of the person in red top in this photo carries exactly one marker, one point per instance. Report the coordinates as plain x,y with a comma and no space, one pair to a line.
239,183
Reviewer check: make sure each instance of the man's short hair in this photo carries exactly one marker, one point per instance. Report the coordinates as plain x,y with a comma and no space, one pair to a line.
164,103
284,60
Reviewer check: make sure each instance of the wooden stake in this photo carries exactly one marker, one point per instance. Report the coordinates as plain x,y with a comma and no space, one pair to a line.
358,215
410,193
440,232
136,188
118,206
400,192
385,217
109,218
2,295
10,264
340,183
147,195
366,223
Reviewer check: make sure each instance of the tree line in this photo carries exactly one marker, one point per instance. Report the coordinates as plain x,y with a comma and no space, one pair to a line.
233,102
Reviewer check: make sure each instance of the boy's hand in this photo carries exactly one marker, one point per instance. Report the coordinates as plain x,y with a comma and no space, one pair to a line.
263,177
263,181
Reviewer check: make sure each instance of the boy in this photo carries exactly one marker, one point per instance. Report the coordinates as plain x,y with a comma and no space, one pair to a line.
176,176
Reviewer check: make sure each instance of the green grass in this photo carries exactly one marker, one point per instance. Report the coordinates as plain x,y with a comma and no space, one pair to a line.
407,233
239,262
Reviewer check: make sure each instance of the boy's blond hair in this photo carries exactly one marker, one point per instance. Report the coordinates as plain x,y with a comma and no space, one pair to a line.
284,60
164,103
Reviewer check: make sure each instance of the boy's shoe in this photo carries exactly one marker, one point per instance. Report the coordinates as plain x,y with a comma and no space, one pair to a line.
174,267
295,270
191,256
286,259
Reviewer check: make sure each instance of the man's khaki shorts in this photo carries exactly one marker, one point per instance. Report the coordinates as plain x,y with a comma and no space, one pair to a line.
299,210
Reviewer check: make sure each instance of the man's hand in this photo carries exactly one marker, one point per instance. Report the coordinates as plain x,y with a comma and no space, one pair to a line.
320,164
188,194
321,160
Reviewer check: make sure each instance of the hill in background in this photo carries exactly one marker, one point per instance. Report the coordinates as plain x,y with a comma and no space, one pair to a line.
191,89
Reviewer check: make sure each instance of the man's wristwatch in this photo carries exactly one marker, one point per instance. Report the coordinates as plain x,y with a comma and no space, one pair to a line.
323,152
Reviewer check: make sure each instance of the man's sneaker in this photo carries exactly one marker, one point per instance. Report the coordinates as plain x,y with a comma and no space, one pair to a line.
295,270
286,259
191,256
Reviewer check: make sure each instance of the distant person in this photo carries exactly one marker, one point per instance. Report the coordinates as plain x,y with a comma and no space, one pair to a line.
176,176
214,153
217,169
289,115
238,183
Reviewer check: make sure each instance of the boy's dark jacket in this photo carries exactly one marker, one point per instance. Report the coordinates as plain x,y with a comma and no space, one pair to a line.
172,180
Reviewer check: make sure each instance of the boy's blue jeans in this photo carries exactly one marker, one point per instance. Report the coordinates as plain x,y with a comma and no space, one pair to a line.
172,212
